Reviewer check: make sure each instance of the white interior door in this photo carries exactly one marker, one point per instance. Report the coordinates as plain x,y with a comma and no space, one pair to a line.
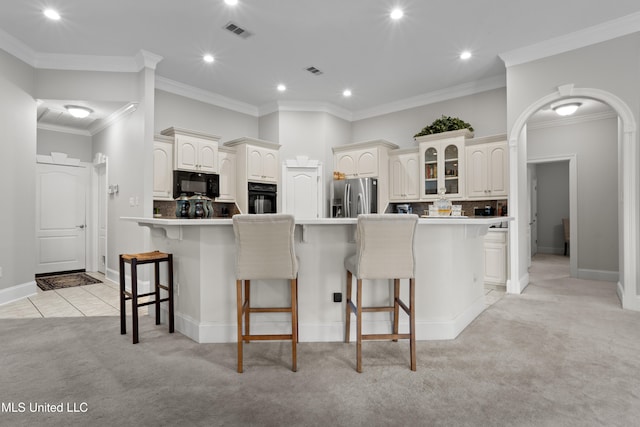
60,218
533,216
102,219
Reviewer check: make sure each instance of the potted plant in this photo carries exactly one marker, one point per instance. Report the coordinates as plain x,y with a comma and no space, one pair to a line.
444,124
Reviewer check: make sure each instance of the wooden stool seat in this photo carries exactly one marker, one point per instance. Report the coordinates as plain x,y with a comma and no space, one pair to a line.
155,257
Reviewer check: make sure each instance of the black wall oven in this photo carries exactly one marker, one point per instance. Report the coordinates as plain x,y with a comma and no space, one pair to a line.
262,198
190,183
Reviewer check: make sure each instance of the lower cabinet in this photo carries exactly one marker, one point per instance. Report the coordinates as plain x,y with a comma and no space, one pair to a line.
495,257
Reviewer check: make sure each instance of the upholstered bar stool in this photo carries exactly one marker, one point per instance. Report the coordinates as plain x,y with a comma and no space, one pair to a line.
135,260
384,250
265,250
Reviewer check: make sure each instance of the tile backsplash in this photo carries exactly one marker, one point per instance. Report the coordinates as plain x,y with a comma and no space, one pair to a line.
168,209
468,206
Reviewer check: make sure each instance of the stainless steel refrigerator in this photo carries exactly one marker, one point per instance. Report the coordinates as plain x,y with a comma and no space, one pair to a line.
351,197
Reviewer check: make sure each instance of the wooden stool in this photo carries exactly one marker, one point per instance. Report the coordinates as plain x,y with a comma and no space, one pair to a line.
155,258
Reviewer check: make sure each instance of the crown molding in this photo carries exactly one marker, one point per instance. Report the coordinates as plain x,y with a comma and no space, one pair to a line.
101,125
439,95
64,129
15,47
302,106
146,59
575,120
56,61
177,88
598,33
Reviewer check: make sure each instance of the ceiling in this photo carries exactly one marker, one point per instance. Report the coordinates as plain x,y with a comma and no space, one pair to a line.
353,42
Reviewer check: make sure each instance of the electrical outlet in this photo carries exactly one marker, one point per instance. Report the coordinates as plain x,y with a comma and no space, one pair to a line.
337,297
177,289
0,271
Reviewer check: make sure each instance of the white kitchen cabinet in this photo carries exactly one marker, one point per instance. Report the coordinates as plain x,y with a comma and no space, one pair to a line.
262,164
404,175
487,174
194,151
361,163
162,168
495,257
256,161
442,164
227,171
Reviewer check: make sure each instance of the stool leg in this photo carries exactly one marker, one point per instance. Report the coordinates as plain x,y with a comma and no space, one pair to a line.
396,306
134,298
156,283
294,324
347,330
412,321
170,286
247,313
359,326
239,304
123,311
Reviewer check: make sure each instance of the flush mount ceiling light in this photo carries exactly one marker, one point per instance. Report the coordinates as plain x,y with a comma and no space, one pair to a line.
346,93
208,58
281,87
51,14
396,14
564,108
78,111
465,55
231,2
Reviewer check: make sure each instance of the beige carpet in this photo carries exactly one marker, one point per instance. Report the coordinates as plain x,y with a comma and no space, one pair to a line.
562,354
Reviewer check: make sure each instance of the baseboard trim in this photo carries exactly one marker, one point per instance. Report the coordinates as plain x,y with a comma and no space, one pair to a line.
601,275
214,332
628,303
550,250
18,292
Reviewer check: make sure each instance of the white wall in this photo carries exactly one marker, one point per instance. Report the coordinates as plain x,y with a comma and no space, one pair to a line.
76,146
269,127
595,144
177,111
17,174
485,111
553,205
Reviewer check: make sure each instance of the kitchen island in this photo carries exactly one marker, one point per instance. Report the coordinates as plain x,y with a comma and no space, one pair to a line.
449,278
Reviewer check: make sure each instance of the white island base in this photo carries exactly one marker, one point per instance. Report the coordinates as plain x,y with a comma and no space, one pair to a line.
449,279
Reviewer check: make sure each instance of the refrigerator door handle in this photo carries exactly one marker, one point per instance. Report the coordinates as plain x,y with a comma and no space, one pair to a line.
347,200
361,205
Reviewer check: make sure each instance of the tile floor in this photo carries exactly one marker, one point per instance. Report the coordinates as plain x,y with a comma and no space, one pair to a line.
101,299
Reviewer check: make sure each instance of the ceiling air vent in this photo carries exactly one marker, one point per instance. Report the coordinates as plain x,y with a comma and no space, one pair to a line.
313,70
237,30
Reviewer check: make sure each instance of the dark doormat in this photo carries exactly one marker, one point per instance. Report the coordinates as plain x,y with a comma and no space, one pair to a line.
65,281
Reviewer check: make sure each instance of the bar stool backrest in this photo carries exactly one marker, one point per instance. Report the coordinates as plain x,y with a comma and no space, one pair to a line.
384,246
265,246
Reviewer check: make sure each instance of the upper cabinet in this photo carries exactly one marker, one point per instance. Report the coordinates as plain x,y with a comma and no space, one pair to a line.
442,159
487,162
162,168
361,163
194,151
404,175
262,164
227,171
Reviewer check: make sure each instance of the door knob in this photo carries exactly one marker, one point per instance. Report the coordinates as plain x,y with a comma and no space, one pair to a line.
80,226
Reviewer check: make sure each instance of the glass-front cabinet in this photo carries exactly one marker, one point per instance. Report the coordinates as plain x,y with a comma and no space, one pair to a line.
442,164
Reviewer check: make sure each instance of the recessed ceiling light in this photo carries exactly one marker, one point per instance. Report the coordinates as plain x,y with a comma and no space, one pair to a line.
346,93
77,111
465,55
397,13
208,58
51,14
231,2
282,87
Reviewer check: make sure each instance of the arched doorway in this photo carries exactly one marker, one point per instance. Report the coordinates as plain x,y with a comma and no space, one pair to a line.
627,191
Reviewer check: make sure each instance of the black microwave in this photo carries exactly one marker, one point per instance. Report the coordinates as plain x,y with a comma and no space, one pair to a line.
189,183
